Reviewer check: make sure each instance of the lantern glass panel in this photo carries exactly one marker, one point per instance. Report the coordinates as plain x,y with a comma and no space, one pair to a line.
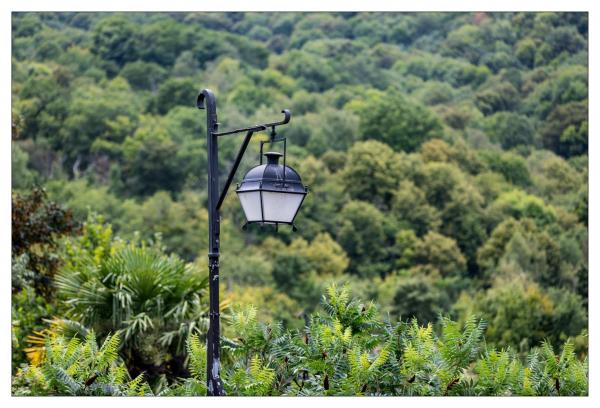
280,207
251,204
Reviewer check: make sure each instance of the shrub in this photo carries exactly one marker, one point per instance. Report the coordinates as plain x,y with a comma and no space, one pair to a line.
344,350
79,367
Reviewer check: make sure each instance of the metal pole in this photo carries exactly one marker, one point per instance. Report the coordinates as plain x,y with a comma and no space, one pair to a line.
207,100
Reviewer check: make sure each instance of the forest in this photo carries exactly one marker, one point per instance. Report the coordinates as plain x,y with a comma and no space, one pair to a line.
442,248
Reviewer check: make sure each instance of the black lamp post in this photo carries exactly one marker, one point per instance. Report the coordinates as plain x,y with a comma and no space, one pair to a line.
270,194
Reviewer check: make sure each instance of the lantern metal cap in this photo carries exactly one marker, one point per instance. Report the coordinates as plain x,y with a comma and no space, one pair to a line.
273,157
270,176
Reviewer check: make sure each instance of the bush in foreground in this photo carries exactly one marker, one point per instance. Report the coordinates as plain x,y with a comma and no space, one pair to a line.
344,351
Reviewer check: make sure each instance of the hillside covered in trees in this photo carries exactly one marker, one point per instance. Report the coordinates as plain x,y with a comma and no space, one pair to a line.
446,155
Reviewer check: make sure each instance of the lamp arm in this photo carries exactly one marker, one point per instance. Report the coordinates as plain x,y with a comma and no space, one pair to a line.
206,100
257,128
234,168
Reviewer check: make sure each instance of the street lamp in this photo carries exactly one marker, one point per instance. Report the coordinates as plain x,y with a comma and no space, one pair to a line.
270,193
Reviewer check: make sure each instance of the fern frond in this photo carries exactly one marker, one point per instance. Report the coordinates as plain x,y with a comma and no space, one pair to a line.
197,357
108,353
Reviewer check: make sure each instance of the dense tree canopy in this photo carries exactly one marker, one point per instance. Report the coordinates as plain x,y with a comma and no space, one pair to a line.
446,156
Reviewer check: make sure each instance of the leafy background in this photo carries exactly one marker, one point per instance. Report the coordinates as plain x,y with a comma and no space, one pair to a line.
446,154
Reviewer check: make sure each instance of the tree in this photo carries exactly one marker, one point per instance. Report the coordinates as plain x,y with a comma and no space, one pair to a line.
500,60
312,72
519,313
97,114
114,40
509,129
510,165
293,275
370,172
438,180
37,225
143,75
405,246
362,233
521,247
497,97
418,298
519,204
178,222
331,130
397,121
326,255
566,84
554,175
163,40
455,72
566,129
525,52
436,253
150,161
436,150
22,176
43,102
460,205
249,96
174,92
411,209
563,40
466,42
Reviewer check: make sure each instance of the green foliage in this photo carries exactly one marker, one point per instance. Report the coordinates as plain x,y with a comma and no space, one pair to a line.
37,224
143,75
523,247
418,298
455,72
522,313
518,204
148,155
509,129
114,40
369,171
97,116
22,176
445,152
28,312
294,275
511,166
174,92
564,85
396,121
411,208
345,350
497,97
156,301
79,367
363,233
566,129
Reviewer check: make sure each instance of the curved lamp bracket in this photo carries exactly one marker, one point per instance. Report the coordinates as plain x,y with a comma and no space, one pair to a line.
209,96
286,119
206,100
